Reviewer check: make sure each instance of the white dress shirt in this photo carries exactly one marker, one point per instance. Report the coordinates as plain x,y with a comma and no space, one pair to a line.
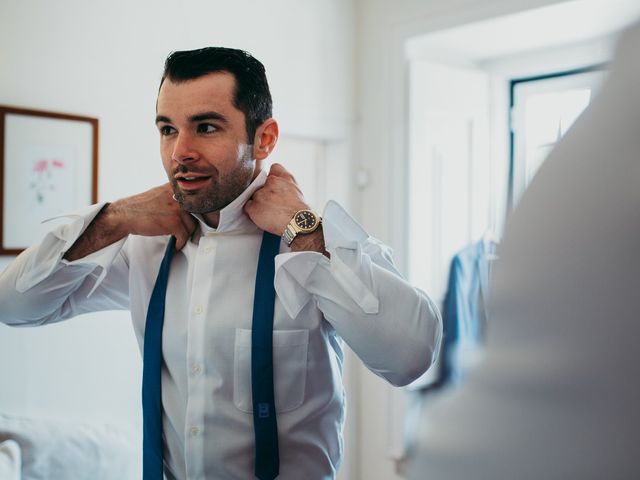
357,295
557,396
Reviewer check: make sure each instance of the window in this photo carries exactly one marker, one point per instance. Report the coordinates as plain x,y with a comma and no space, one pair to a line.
543,109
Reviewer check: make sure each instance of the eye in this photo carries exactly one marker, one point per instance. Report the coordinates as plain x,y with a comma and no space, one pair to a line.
207,128
166,130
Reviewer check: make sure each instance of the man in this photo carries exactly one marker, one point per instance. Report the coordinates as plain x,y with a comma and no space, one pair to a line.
333,282
557,394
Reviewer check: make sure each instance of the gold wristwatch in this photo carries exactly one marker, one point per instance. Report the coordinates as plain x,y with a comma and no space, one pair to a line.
303,221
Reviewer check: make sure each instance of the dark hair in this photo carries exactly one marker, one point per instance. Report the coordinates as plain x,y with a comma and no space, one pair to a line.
252,96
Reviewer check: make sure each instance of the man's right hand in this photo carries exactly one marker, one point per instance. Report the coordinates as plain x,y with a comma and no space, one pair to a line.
150,213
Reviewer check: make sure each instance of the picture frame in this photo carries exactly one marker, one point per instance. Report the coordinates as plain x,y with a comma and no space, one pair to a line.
48,168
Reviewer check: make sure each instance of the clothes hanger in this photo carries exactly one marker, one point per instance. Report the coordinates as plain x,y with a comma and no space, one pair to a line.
490,241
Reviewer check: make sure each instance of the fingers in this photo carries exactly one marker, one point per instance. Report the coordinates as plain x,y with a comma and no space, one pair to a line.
281,183
279,171
183,224
182,237
248,205
185,229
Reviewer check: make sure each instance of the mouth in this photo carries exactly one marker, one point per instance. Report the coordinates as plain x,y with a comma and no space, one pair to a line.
192,182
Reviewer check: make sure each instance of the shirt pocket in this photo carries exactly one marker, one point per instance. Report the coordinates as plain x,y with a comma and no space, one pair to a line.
289,369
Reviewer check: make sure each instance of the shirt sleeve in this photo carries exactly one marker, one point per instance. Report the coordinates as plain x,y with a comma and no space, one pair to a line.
393,327
40,287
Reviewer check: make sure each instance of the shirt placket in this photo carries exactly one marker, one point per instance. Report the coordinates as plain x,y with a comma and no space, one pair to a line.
199,312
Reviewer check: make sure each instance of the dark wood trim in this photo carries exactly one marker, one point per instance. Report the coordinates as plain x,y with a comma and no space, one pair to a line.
45,113
6,109
3,251
94,161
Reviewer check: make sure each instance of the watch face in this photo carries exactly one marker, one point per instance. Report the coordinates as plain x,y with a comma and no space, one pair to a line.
305,219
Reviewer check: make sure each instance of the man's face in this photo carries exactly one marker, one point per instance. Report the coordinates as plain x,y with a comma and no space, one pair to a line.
203,143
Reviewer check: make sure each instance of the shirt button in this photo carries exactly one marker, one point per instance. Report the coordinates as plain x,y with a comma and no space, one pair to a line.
194,431
198,310
208,249
195,370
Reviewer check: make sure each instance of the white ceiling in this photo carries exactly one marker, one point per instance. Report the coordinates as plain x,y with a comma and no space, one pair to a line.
561,24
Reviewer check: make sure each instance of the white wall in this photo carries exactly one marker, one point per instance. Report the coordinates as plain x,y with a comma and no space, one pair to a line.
104,59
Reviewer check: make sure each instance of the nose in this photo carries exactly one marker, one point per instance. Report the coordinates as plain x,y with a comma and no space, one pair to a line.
184,150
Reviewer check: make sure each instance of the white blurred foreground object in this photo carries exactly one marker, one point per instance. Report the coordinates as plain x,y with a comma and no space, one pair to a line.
557,395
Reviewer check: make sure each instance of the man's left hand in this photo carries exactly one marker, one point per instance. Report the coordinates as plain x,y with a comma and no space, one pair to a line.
273,206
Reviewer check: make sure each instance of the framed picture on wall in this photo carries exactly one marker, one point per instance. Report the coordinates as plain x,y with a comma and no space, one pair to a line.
48,167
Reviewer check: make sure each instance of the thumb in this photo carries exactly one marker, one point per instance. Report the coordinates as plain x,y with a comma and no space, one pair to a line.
279,171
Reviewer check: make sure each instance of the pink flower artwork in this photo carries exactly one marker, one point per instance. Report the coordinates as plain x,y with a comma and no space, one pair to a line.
43,177
41,166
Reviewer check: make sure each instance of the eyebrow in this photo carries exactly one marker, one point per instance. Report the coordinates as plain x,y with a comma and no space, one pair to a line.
198,117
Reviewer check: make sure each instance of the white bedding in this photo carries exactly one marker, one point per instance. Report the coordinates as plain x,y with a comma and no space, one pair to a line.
57,449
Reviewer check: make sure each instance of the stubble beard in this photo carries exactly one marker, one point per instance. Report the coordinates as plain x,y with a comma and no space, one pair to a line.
221,190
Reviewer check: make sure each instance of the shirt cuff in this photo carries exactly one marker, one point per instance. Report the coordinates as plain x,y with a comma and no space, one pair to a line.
49,253
353,253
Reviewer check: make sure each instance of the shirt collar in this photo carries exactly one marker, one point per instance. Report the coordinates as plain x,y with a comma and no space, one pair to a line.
232,217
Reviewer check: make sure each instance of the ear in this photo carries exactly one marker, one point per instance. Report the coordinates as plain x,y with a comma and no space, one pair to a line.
265,139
